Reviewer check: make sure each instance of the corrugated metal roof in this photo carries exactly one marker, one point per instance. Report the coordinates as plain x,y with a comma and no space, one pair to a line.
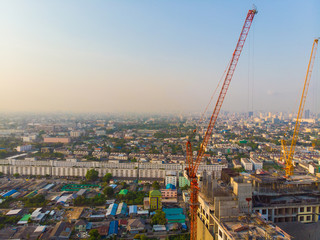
7,194
133,209
49,186
112,209
159,228
122,208
176,217
113,228
172,211
14,211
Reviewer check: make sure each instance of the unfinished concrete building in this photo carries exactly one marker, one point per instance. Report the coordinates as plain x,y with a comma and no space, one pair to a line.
220,216
286,200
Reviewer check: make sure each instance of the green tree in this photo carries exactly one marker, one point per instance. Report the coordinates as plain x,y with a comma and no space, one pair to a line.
137,236
35,201
108,191
185,187
159,218
124,184
92,175
94,235
143,237
156,185
107,177
16,175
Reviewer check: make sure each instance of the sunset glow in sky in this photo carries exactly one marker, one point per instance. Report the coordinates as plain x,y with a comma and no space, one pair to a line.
154,56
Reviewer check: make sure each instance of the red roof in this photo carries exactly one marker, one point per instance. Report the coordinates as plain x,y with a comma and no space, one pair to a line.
123,222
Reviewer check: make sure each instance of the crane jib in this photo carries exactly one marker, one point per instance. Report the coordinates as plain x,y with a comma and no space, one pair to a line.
194,164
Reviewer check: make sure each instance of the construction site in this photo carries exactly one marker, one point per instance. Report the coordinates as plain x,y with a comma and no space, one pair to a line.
251,205
243,205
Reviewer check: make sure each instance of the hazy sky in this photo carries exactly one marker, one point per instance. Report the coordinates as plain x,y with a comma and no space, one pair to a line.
154,56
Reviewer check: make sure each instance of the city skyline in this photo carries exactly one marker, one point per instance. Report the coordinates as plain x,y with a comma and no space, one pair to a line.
154,56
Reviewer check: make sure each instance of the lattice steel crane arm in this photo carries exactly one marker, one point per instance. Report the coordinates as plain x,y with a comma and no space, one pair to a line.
224,88
289,164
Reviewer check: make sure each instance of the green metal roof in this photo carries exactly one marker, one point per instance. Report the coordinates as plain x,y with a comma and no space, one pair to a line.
25,217
77,187
172,211
123,192
155,193
176,217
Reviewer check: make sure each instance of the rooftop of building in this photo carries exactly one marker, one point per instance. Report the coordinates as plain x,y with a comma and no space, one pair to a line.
302,179
123,192
255,226
267,178
155,193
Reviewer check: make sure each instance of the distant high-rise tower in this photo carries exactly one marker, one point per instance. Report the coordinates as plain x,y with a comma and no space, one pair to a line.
307,114
250,114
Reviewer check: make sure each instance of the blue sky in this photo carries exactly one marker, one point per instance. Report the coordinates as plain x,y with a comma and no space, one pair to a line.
154,56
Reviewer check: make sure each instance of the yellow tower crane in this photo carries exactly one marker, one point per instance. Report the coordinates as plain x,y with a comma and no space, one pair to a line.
289,153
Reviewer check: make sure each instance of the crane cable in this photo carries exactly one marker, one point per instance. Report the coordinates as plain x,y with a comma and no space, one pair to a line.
211,99
293,111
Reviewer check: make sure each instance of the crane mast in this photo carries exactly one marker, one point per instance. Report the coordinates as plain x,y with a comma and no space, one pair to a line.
192,165
289,153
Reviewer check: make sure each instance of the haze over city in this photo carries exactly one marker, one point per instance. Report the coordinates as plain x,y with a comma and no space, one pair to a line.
154,56
153,120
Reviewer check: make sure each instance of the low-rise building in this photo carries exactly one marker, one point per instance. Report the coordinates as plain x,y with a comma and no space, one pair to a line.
186,196
155,200
257,164
135,226
171,178
24,148
169,195
183,181
56,140
247,165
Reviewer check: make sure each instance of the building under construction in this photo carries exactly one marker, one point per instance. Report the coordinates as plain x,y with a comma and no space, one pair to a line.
226,211
279,199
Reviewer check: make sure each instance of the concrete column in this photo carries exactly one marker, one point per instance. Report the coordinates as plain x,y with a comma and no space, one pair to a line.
272,215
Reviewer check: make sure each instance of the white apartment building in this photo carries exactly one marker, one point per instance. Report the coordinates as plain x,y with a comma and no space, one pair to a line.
24,148
247,165
171,178
76,134
257,164
80,168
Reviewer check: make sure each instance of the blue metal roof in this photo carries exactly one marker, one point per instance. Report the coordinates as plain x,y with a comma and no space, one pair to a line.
170,186
7,194
112,209
113,228
47,187
89,225
133,209
122,208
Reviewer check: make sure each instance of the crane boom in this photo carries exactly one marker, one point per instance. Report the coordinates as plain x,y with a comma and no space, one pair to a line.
288,154
225,86
192,167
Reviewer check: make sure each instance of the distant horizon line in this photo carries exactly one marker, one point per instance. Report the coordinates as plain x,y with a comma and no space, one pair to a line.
137,113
